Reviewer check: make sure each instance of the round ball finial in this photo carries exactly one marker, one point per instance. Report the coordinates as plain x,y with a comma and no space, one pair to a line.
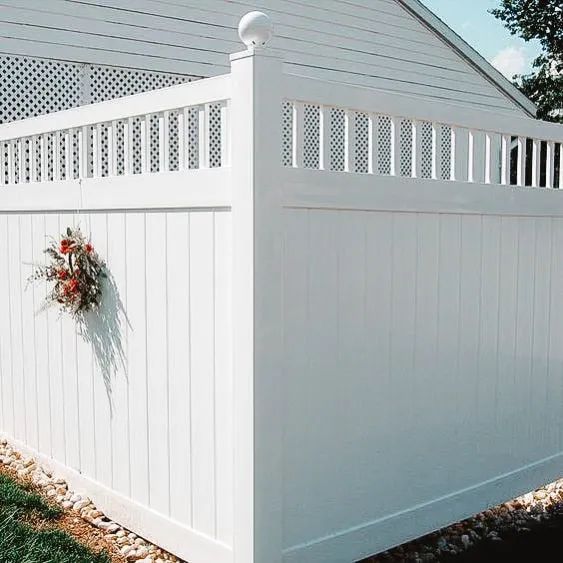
255,29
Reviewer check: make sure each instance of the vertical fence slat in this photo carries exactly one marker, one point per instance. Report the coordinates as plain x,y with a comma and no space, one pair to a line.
99,150
164,141
21,161
488,157
182,125
83,138
549,164
145,141
324,138
349,140
95,153
416,163
298,144
373,140
203,136
68,154
127,146
56,156
471,156
161,141
11,162
224,136
112,170
505,160
436,150
536,163
33,159
521,163
43,161
111,148
453,153
395,146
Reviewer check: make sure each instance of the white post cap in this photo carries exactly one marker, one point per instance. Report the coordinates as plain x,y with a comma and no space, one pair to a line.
255,29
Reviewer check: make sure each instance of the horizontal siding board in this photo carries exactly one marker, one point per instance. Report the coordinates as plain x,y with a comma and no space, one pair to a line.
375,44
411,66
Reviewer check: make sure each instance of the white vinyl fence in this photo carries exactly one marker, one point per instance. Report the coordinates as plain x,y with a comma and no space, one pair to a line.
339,333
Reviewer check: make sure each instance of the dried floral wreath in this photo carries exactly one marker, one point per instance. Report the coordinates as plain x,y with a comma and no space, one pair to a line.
77,271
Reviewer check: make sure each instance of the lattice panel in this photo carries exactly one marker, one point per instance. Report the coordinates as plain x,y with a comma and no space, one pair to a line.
34,87
287,133
445,153
214,136
107,83
311,136
426,150
384,145
337,139
361,149
406,138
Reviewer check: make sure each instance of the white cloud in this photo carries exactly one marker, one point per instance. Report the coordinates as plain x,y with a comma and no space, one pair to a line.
510,61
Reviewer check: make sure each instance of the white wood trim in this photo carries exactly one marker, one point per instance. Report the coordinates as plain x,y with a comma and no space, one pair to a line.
257,298
177,190
314,189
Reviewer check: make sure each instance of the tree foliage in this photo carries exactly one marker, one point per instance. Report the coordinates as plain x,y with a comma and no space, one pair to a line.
540,20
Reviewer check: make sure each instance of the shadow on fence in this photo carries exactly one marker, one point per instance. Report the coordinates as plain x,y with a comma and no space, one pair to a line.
103,329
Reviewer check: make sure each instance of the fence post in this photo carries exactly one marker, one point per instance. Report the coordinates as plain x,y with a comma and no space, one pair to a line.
255,145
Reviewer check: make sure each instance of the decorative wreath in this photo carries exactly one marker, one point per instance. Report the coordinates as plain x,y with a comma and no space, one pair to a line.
77,271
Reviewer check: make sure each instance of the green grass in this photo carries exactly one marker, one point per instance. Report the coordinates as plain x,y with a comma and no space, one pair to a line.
22,542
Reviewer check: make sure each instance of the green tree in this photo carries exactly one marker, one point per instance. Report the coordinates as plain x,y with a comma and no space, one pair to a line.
540,20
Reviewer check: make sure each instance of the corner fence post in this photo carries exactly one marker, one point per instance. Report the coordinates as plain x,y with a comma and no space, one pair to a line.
255,144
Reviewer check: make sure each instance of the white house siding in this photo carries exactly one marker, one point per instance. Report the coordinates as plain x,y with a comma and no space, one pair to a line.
376,43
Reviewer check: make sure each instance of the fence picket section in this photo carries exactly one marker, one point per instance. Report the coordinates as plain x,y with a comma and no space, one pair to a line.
395,158
549,164
373,142
436,150
536,163
69,164
298,135
521,161
128,146
203,145
349,141
33,159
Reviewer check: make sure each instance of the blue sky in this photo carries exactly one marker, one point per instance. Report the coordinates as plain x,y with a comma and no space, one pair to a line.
470,19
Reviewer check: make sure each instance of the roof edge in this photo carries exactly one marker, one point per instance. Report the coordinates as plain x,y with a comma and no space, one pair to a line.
473,57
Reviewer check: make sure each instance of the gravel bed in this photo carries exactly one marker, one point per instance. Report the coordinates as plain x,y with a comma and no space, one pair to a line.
517,516
131,546
508,522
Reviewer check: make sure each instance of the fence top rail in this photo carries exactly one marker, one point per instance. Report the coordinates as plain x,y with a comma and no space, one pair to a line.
306,90
200,92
